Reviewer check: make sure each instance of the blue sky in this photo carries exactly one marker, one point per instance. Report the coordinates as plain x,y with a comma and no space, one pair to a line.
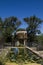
21,9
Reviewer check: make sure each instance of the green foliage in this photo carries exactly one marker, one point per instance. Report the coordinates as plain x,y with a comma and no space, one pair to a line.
40,42
8,27
1,63
1,27
33,27
23,56
8,37
11,24
40,39
20,29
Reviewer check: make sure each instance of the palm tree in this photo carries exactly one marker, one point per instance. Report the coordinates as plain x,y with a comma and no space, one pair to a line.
32,29
11,24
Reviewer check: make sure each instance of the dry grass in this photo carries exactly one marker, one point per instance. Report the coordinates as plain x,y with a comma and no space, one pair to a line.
24,64
11,63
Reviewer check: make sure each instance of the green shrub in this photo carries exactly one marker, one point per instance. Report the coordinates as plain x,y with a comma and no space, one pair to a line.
1,62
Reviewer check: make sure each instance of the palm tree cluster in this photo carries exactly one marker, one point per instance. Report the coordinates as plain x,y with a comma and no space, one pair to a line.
9,25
